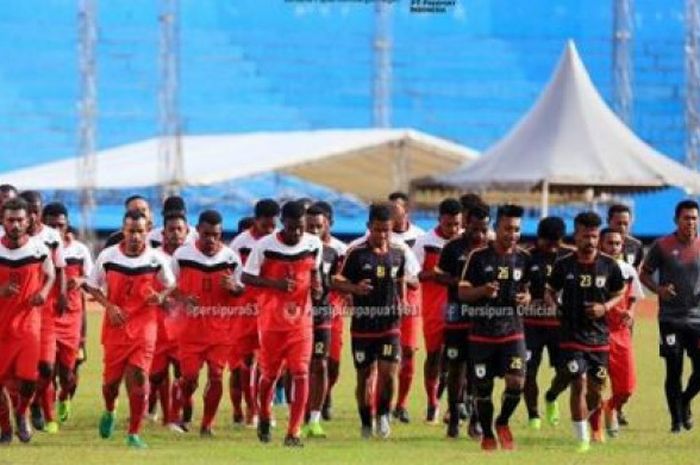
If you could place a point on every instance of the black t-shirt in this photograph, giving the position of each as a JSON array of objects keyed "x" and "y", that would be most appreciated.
[
  {"x": 499, "y": 317},
  {"x": 378, "y": 312},
  {"x": 677, "y": 264},
  {"x": 329, "y": 267},
  {"x": 541, "y": 265},
  {"x": 582, "y": 283},
  {"x": 633, "y": 251},
  {"x": 452, "y": 259}
]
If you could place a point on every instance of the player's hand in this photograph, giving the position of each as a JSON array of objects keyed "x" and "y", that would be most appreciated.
[
  {"x": 522, "y": 298},
  {"x": 62, "y": 304},
  {"x": 74, "y": 283},
  {"x": 155, "y": 298},
  {"x": 667, "y": 292},
  {"x": 38, "y": 300},
  {"x": 115, "y": 315},
  {"x": 316, "y": 291},
  {"x": 364, "y": 287},
  {"x": 490, "y": 290},
  {"x": 627, "y": 319},
  {"x": 595, "y": 310},
  {"x": 286, "y": 285},
  {"x": 9, "y": 289}
]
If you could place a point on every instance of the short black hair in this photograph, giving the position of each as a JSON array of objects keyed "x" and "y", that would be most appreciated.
[
  {"x": 314, "y": 210},
  {"x": 605, "y": 231},
  {"x": 17, "y": 203},
  {"x": 71, "y": 230},
  {"x": 174, "y": 203},
  {"x": 469, "y": 200},
  {"x": 211, "y": 217},
  {"x": 174, "y": 215},
  {"x": 31, "y": 197},
  {"x": 450, "y": 206},
  {"x": 5, "y": 188},
  {"x": 326, "y": 207},
  {"x": 588, "y": 219},
  {"x": 398, "y": 195},
  {"x": 305, "y": 201},
  {"x": 509, "y": 211},
  {"x": 686, "y": 205},
  {"x": 293, "y": 210},
  {"x": 618, "y": 208},
  {"x": 479, "y": 211},
  {"x": 134, "y": 215},
  {"x": 266, "y": 208},
  {"x": 54, "y": 209},
  {"x": 379, "y": 212},
  {"x": 551, "y": 228},
  {"x": 245, "y": 223},
  {"x": 131, "y": 198}
]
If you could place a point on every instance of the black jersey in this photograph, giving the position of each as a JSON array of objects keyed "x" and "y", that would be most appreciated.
[
  {"x": 330, "y": 265},
  {"x": 633, "y": 251},
  {"x": 580, "y": 284},
  {"x": 497, "y": 319},
  {"x": 451, "y": 262},
  {"x": 379, "y": 312},
  {"x": 541, "y": 265}
]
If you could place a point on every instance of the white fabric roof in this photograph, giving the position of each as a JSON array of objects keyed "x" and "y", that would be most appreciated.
[
  {"x": 571, "y": 139},
  {"x": 366, "y": 162}
]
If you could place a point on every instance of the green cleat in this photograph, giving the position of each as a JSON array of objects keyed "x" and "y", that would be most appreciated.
[
  {"x": 64, "y": 410},
  {"x": 134, "y": 441},
  {"x": 583, "y": 446},
  {"x": 107, "y": 422},
  {"x": 51, "y": 427},
  {"x": 314, "y": 430},
  {"x": 534, "y": 424},
  {"x": 552, "y": 413}
]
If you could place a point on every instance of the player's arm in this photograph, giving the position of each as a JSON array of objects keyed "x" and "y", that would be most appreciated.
[
  {"x": 94, "y": 286},
  {"x": 231, "y": 281},
  {"x": 446, "y": 262},
  {"x": 60, "y": 264},
  {"x": 252, "y": 275},
  {"x": 616, "y": 287},
  {"x": 349, "y": 280},
  {"x": 49, "y": 272},
  {"x": 470, "y": 293},
  {"x": 554, "y": 285},
  {"x": 411, "y": 269}
]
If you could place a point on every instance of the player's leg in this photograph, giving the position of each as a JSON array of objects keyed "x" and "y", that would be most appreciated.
[
  {"x": 235, "y": 388},
  {"x": 559, "y": 383},
  {"x": 42, "y": 407},
  {"x": 158, "y": 378},
  {"x": 389, "y": 357},
  {"x": 249, "y": 386},
  {"x": 671, "y": 350},
  {"x": 137, "y": 387},
  {"x": 212, "y": 394},
  {"x": 114, "y": 366},
  {"x": 318, "y": 382},
  {"x": 431, "y": 379},
  {"x": 512, "y": 366},
  {"x": 271, "y": 357},
  {"x": 409, "y": 345},
  {"x": 176, "y": 396},
  {"x": 192, "y": 358},
  {"x": 66, "y": 381},
  {"x": 484, "y": 403},
  {"x": 576, "y": 369},
  {"x": 456, "y": 361},
  {"x": 535, "y": 349},
  {"x": 364, "y": 358},
  {"x": 298, "y": 359},
  {"x": 596, "y": 379},
  {"x": 693, "y": 386}
]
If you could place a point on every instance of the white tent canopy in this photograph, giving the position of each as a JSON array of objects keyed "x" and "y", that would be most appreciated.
[
  {"x": 366, "y": 162},
  {"x": 569, "y": 140}
]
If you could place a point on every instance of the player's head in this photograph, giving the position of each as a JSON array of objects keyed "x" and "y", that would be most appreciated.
[
  {"x": 317, "y": 221},
  {"x": 15, "y": 218},
  {"x": 587, "y": 232},
  {"x": 399, "y": 210},
  {"x": 71, "y": 234},
  {"x": 7, "y": 192},
  {"x": 379, "y": 225},
  {"x": 174, "y": 204},
  {"x": 327, "y": 210},
  {"x": 293, "y": 222},
  {"x": 611, "y": 242},
  {"x": 686, "y": 218},
  {"x": 55, "y": 214},
  {"x": 306, "y": 202},
  {"x": 135, "y": 228},
  {"x": 245, "y": 223},
  {"x": 476, "y": 226},
  {"x": 266, "y": 213},
  {"x": 35, "y": 203},
  {"x": 508, "y": 222},
  {"x": 175, "y": 230},
  {"x": 550, "y": 232},
  {"x": 620, "y": 218},
  {"x": 210, "y": 227},
  {"x": 450, "y": 217},
  {"x": 139, "y": 203},
  {"x": 468, "y": 201}
]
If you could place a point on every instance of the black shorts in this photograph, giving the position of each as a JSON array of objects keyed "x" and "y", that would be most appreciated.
[
  {"x": 490, "y": 360},
  {"x": 366, "y": 350},
  {"x": 677, "y": 337},
  {"x": 456, "y": 345},
  {"x": 537, "y": 338},
  {"x": 579, "y": 362},
  {"x": 322, "y": 343}
]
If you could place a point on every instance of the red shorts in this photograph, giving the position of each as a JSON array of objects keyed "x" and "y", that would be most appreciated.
[
  {"x": 166, "y": 352},
  {"x": 118, "y": 356},
  {"x": 193, "y": 356},
  {"x": 409, "y": 331},
  {"x": 623, "y": 379},
  {"x": 336, "y": 346},
  {"x": 66, "y": 354},
  {"x": 247, "y": 341},
  {"x": 278, "y": 347},
  {"x": 20, "y": 358},
  {"x": 434, "y": 335},
  {"x": 47, "y": 350}
]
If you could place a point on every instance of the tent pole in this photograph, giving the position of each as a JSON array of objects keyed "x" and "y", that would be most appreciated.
[{"x": 544, "y": 210}]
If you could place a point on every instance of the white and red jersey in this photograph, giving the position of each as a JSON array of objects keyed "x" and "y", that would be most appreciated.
[
  {"x": 155, "y": 236},
  {"x": 53, "y": 240},
  {"x": 427, "y": 250},
  {"x": 79, "y": 264},
  {"x": 633, "y": 290},
  {"x": 273, "y": 259},
  {"x": 128, "y": 283},
  {"x": 199, "y": 275},
  {"x": 27, "y": 267},
  {"x": 243, "y": 243},
  {"x": 409, "y": 236}
]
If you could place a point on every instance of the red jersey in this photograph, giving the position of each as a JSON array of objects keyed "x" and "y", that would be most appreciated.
[
  {"x": 434, "y": 295},
  {"x": 26, "y": 266},
  {"x": 200, "y": 276},
  {"x": 633, "y": 290},
  {"x": 79, "y": 264},
  {"x": 128, "y": 282},
  {"x": 272, "y": 259}
]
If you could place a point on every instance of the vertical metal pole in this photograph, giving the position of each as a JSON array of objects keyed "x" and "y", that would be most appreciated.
[
  {"x": 623, "y": 21},
  {"x": 382, "y": 66},
  {"x": 692, "y": 84}
]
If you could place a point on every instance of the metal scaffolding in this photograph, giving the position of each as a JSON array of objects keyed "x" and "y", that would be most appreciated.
[
  {"x": 382, "y": 66},
  {"x": 87, "y": 116},
  {"x": 692, "y": 83},
  {"x": 169, "y": 147},
  {"x": 623, "y": 20}
]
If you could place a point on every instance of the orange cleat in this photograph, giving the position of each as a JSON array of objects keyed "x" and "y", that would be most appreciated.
[
  {"x": 505, "y": 437},
  {"x": 488, "y": 444}
]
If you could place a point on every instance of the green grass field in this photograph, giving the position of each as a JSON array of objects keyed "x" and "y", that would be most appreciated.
[{"x": 646, "y": 441}]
